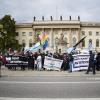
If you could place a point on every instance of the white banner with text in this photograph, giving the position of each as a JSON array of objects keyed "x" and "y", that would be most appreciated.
[
  {"x": 52, "y": 63},
  {"x": 81, "y": 62}
]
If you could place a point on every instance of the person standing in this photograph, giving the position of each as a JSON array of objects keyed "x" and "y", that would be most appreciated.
[
  {"x": 71, "y": 63},
  {"x": 39, "y": 62},
  {"x": 98, "y": 61},
  {"x": 91, "y": 64},
  {"x": 43, "y": 58}
]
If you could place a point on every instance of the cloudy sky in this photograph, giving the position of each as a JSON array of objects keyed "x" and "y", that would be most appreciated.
[{"x": 24, "y": 10}]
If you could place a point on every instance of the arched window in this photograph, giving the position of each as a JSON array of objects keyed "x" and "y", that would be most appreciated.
[
  {"x": 23, "y": 43},
  {"x": 56, "y": 40},
  {"x": 62, "y": 36},
  {"x": 30, "y": 43},
  {"x": 65, "y": 39},
  {"x": 83, "y": 33},
  {"x": 74, "y": 41},
  {"x": 97, "y": 42}
]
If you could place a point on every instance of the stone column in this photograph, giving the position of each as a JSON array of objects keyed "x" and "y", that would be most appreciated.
[
  {"x": 79, "y": 37},
  {"x": 62, "y": 45},
  {"x": 52, "y": 39},
  {"x": 34, "y": 36},
  {"x": 70, "y": 38}
]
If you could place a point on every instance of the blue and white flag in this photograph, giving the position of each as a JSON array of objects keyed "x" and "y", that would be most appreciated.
[
  {"x": 35, "y": 47},
  {"x": 90, "y": 47}
]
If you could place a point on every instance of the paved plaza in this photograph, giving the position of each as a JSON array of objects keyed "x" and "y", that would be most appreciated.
[
  {"x": 48, "y": 85},
  {"x": 6, "y": 72}
]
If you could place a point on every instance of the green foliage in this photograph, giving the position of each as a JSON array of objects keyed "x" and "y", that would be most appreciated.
[{"x": 8, "y": 35}]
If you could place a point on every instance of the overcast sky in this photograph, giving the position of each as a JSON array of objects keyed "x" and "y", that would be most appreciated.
[{"x": 24, "y": 10}]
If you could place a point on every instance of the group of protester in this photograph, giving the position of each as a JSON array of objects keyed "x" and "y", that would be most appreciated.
[
  {"x": 32, "y": 59},
  {"x": 94, "y": 63}
]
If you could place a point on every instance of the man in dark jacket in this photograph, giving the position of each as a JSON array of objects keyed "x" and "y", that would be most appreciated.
[
  {"x": 91, "y": 63},
  {"x": 31, "y": 62},
  {"x": 98, "y": 61},
  {"x": 71, "y": 63}
]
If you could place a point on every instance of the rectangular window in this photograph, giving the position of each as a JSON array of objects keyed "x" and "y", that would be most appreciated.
[
  {"x": 17, "y": 33},
  {"x": 90, "y": 33},
  {"x": 97, "y": 33},
  {"x": 30, "y": 44},
  {"x": 30, "y": 33},
  {"x": 16, "y": 41},
  {"x": 23, "y": 34},
  {"x": 97, "y": 43},
  {"x": 83, "y": 33}
]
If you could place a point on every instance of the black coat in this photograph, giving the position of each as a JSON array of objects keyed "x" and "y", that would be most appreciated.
[
  {"x": 98, "y": 58},
  {"x": 91, "y": 60},
  {"x": 31, "y": 61}
]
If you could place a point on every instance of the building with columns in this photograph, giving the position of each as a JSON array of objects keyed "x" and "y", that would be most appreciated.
[{"x": 61, "y": 34}]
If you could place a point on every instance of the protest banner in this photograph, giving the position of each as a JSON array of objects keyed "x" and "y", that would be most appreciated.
[
  {"x": 52, "y": 63},
  {"x": 81, "y": 62}
]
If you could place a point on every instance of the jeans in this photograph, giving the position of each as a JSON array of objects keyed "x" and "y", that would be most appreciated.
[{"x": 71, "y": 65}]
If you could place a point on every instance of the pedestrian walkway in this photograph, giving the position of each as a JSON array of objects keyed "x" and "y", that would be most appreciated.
[{"x": 6, "y": 72}]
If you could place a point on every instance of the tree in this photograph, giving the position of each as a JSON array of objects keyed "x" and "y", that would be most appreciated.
[{"x": 8, "y": 35}]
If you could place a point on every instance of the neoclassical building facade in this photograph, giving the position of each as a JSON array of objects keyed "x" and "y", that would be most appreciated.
[{"x": 61, "y": 34}]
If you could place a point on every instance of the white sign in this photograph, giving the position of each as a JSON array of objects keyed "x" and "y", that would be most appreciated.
[
  {"x": 52, "y": 63},
  {"x": 81, "y": 62}
]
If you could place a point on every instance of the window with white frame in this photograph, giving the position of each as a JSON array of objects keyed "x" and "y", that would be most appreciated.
[
  {"x": 97, "y": 42},
  {"x": 97, "y": 33},
  {"x": 83, "y": 33},
  {"x": 56, "y": 40},
  {"x": 74, "y": 41},
  {"x": 30, "y": 33},
  {"x": 23, "y": 33},
  {"x": 65, "y": 39},
  {"x": 23, "y": 43},
  {"x": 90, "y": 33},
  {"x": 17, "y": 33},
  {"x": 30, "y": 43}
]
